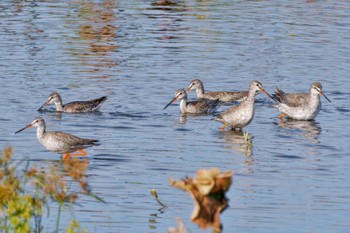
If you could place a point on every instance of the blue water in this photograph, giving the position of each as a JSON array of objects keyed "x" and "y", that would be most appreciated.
[{"x": 293, "y": 179}]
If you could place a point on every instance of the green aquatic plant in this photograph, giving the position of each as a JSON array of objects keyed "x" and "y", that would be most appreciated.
[
  {"x": 24, "y": 194},
  {"x": 74, "y": 227},
  {"x": 154, "y": 194},
  {"x": 15, "y": 206},
  {"x": 247, "y": 139}
]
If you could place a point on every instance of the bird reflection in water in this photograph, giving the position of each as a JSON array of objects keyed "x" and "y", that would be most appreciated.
[
  {"x": 50, "y": 114},
  {"x": 182, "y": 118},
  {"x": 310, "y": 129},
  {"x": 239, "y": 140}
]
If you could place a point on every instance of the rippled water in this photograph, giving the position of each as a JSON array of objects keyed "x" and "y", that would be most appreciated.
[{"x": 295, "y": 177}]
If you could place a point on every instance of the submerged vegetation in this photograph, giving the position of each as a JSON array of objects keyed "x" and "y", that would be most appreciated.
[{"x": 27, "y": 192}]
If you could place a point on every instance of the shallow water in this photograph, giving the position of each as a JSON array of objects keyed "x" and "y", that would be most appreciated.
[{"x": 294, "y": 179}]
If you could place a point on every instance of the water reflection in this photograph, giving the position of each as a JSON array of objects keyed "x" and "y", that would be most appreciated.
[
  {"x": 239, "y": 140},
  {"x": 310, "y": 129},
  {"x": 166, "y": 25},
  {"x": 153, "y": 219},
  {"x": 51, "y": 114},
  {"x": 182, "y": 118},
  {"x": 97, "y": 28},
  {"x": 164, "y": 3},
  {"x": 169, "y": 6}
]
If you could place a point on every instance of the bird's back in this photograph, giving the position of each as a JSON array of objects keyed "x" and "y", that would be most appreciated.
[
  {"x": 290, "y": 99},
  {"x": 201, "y": 106},
  {"x": 237, "y": 116},
  {"x": 84, "y": 106},
  {"x": 227, "y": 96},
  {"x": 60, "y": 141}
]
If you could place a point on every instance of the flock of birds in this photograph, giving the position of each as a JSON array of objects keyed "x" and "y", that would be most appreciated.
[
  {"x": 297, "y": 106},
  {"x": 60, "y": 142}
]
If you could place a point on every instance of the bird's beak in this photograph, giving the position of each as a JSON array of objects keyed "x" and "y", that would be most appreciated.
[
  {"x": 321, "y": 92},
  {"x": 172, "y": 101},
  {"x": 189, "y": 88},
  {"x": 46, "y": 103},
  {"x": 265, "y": 92},
  {"x": 28, "y": 126}
]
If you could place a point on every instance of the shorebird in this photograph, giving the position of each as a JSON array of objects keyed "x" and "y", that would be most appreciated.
[
  {"x": 239, "y": 116},
  {"x": 196, "y": 107},
  {"x": 76, "y": 106},
  {"x": 59, "y": 142},
  {"x": 299, "y": 106},
  {"x": 223, "y": 96}
]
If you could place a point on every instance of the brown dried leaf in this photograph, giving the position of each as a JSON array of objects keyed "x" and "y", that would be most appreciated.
[
  {"x": 181, "y": 228},
  {"x": 207, "y": 189}
]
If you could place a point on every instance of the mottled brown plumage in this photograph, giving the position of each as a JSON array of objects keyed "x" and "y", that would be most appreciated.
[
  {"x": 57, "y": 141},
  {"x": 76, "y": 106},
  {"x": 291, "y": 99},
  {"x": 299, "y": 106},
  {"x": 239, "y": 116},
  {"x": 195, "y": 107},
  {"x": 223, "y": 96}
]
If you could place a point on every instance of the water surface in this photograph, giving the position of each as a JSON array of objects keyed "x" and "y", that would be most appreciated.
[{"x": 293, "y": 179}]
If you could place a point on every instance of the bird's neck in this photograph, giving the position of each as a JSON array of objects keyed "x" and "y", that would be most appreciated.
[
  {"x": 200, "y": 91},
  {"x": 40, "y": 132},
  {"x": 58, "y": 105},
  {"x": 183, "y": 105},
  {"x": 314, "y": 100},
  {"x": 251, "y": 95}
]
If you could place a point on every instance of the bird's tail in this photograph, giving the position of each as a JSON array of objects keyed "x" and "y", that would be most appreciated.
[{"x": 278, "y": 95}]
